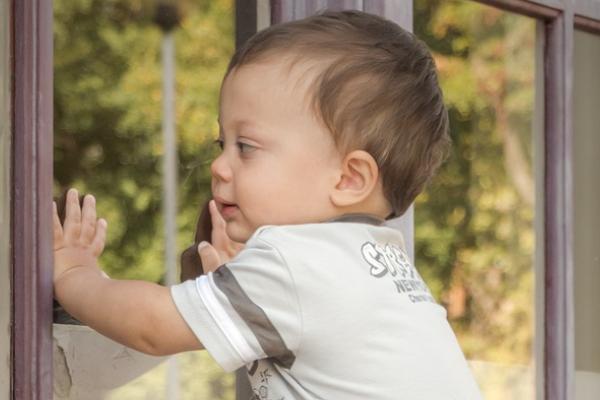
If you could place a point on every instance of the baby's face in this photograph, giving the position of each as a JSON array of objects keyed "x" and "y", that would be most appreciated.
[{"x": 278, "y": 163}]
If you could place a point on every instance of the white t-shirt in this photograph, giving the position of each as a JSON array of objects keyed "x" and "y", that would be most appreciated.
[{"x": 331, "y": 310}]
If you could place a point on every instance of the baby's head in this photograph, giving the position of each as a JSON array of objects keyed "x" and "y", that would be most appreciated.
[{"x": 337, "y": 113}]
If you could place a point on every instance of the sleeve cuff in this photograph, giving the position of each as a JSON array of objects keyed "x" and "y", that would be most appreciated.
[{"x": 193, "y": 310}]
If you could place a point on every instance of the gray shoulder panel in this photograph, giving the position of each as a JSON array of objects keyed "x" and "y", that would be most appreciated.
[{"x": 257, "y": 320}]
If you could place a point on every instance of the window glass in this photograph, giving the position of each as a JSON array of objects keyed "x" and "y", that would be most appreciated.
[
  {"x": 475, "y": 226},
  {"x": 5, "y": 195},
  {"x": 586, "y": 149},
  {"x": 108, "y": 141}
]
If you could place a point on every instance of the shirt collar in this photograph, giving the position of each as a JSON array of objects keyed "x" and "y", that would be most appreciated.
[{"x": 358, "y": 218}]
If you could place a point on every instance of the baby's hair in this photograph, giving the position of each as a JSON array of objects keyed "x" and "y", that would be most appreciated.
[{"x": 375, "y": 89}]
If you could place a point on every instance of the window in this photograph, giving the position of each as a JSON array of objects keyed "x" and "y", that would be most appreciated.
[
  {"x": 586, "y": 150},
  {"x": 475, "y": 226},
  {"x": 108, "y": 141}
]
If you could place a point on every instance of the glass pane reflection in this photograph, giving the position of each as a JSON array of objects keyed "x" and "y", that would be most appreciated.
[
  {"x": 474, "y": 227},
  {"x": 108, "y": 141}
]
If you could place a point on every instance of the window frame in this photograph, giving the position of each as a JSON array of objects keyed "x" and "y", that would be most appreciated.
[
  {"x": 32, "y": 176},
  {"x": 5, "y": 192},
  {"x": 31, "y": 200}
]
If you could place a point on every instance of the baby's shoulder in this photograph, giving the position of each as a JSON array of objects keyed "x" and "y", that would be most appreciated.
[
  {"x": 323, "y": 236},
  {"x": 321, "y": 232}
]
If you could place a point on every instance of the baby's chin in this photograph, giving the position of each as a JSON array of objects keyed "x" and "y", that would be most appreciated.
[{"x": 239, "y": 235}]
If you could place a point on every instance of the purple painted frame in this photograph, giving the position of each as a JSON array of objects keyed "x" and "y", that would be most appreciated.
[
  {"x": 587, "y": 24},
  {"x": 559, "y": 363},
  {"x": 31, "y": 208}
]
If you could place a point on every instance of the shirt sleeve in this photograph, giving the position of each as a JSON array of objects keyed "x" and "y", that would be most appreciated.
[{"x": 246, "y": 310}]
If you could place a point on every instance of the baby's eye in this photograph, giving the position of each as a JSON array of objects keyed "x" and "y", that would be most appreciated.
[{"x": 245, "y": 147}]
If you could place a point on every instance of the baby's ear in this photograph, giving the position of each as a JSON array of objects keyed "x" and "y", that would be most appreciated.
[{"x": 357, "y": 180}]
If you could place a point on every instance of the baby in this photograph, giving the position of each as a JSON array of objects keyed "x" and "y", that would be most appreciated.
[{"x": 328, "y": 126}]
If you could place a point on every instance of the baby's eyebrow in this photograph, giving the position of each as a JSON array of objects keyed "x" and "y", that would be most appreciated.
[{"x": 238, "y": 123}]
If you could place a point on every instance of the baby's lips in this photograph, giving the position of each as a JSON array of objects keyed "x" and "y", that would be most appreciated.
[{"x": 221, "y": 204}]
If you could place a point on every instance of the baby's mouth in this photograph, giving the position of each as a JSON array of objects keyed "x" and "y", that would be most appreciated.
[{"x": 228, "y": 209}]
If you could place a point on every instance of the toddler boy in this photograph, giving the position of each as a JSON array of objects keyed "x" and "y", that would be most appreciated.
[{"x": 328, "y": 126}]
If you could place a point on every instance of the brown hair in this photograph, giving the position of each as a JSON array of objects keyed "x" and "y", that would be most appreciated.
[{"x": 375, "y": 89}]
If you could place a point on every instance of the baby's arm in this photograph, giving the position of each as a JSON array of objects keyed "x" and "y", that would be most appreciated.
[{"x": 138, "y": 314}]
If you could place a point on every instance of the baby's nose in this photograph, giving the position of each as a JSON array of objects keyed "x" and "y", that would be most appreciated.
[{"x": 220, "y": 169}]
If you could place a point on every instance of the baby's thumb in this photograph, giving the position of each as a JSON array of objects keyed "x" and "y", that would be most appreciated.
[{"x": 209, "y": 256}]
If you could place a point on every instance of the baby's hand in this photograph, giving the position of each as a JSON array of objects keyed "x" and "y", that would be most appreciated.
[
  {"x": 81, "y": 240},
  {"x": 223, "y": 248}
]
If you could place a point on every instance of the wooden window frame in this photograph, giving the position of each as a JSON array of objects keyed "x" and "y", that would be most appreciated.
[
  {"x": 31, "y": 205},
  {"x": 32, "y": 169},
  {"x": 31, "y": 200}
]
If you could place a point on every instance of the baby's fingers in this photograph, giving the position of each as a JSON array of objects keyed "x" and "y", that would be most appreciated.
[
  {"x": 72, "y": 226},
  {"x": 209, "y": 256},
  {"x": 88, "y": 219},
  {"x": 220, "y": 239},
  {"x": 57, "y": 227},
  {"x": 219, "y": 236},
  {"x": 99, "y": 240}
]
